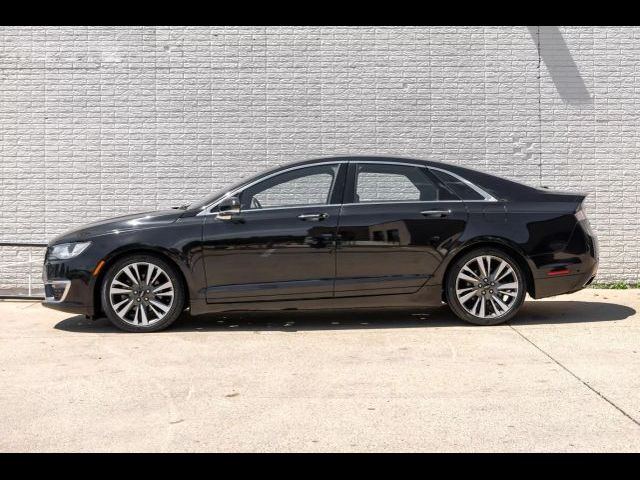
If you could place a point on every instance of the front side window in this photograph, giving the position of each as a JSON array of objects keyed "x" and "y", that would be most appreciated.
[
  {"x": 400, "y": 183},
  {"x": 300, "y": 187}
]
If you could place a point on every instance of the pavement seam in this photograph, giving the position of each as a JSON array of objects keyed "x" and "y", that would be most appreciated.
[{"x": 586, "y": 384}]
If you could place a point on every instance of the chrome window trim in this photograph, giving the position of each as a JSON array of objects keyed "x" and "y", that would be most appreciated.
[
  {"x": 392, "y": 202},
  {"x": 291, "y": 207},
  {"x": 327, "y": 205},
  {"x": 486, "y": 196},
  {"x": 67, "y": 285},
  {"x": 205, "y": 211}
]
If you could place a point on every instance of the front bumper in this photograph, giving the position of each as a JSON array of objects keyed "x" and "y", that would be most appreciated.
[
  {"x": 56, "y": 291},
  {"x": 69, "y": 285}
]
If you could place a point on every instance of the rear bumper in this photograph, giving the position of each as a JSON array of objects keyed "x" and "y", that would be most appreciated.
[
  {"x": 548, "y": 287},
  {"x": 569, "y": 270}
]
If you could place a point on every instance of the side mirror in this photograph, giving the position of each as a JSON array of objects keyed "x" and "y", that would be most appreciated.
[{"x": 229, "y": 207}]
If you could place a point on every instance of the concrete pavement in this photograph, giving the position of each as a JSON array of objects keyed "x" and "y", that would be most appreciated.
[{"x": 563, "y": 376}]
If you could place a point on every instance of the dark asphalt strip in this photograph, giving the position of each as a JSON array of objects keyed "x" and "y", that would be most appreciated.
[{"x": 577, "y": 377}]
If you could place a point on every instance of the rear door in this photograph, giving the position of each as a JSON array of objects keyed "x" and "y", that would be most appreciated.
[{"x": 396, "y": 225}]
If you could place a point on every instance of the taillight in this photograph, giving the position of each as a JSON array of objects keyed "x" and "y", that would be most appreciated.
[{"x": 581, "y": 216}]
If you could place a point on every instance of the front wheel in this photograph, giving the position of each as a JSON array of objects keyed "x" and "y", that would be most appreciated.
[
  {"x": 485, "y": 287},
  {"x": 142, "y": 293}
]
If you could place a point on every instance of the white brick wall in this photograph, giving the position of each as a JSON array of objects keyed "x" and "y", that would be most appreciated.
[{"x": 99, "y": 121}]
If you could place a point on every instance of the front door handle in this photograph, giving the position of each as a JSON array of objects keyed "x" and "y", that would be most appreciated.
[
  {"x": 436, "y": 213},
  {"x": 313, "y": 217}
]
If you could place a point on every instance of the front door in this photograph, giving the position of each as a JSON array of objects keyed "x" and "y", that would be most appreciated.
[
  {"x": 396, "y": 226},
  {"x": 282, "y": 244}
]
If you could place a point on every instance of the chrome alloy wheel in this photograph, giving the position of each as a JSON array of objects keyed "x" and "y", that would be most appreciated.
[
  {"x": 487, "y": 286},
  {"x": 141, "y": 293}
]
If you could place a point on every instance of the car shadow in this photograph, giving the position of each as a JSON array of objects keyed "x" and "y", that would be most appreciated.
[{"x": 532, "y": 313}]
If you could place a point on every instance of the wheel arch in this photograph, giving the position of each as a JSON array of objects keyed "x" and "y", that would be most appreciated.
[
  {"x": 119, "y": 254},
  {"x": 497, "y": 243}
]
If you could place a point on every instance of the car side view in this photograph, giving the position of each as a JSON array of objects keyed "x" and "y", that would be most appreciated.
[{"x": 332, "y": 233}]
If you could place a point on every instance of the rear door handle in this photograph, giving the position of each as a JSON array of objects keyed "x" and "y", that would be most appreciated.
[
  {"x": 313, "y": 217},
  {"x": 436, "y": 213}
]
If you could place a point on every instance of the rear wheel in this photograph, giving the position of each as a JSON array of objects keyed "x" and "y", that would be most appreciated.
[
  {"x": 142, "y": 293},
  {"x": 485, "y": 287}
]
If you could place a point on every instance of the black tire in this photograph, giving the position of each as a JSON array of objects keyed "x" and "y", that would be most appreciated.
[
  {"x": 176, "y": 306},
  {"x": 459, "y": 309}
]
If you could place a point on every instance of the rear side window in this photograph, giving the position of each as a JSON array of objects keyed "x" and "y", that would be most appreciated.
[
  {"x": 464, "y": 191},
  {"x": 395, "y": 183}
]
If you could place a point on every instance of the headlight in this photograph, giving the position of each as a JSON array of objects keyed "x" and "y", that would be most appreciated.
[{"x": 65, "y": 251}]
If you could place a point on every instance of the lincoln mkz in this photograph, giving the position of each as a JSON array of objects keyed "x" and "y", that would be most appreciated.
[{"x": 333, "y": 233}]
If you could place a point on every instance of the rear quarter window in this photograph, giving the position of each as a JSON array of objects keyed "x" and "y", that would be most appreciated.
[{"x": 461, "y": 189}]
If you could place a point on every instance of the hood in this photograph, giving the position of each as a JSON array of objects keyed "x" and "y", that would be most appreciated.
[{"x": 119, "y": 224}]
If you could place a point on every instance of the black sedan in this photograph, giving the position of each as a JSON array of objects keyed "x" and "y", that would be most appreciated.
[{"x": 332, "y": 233}]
